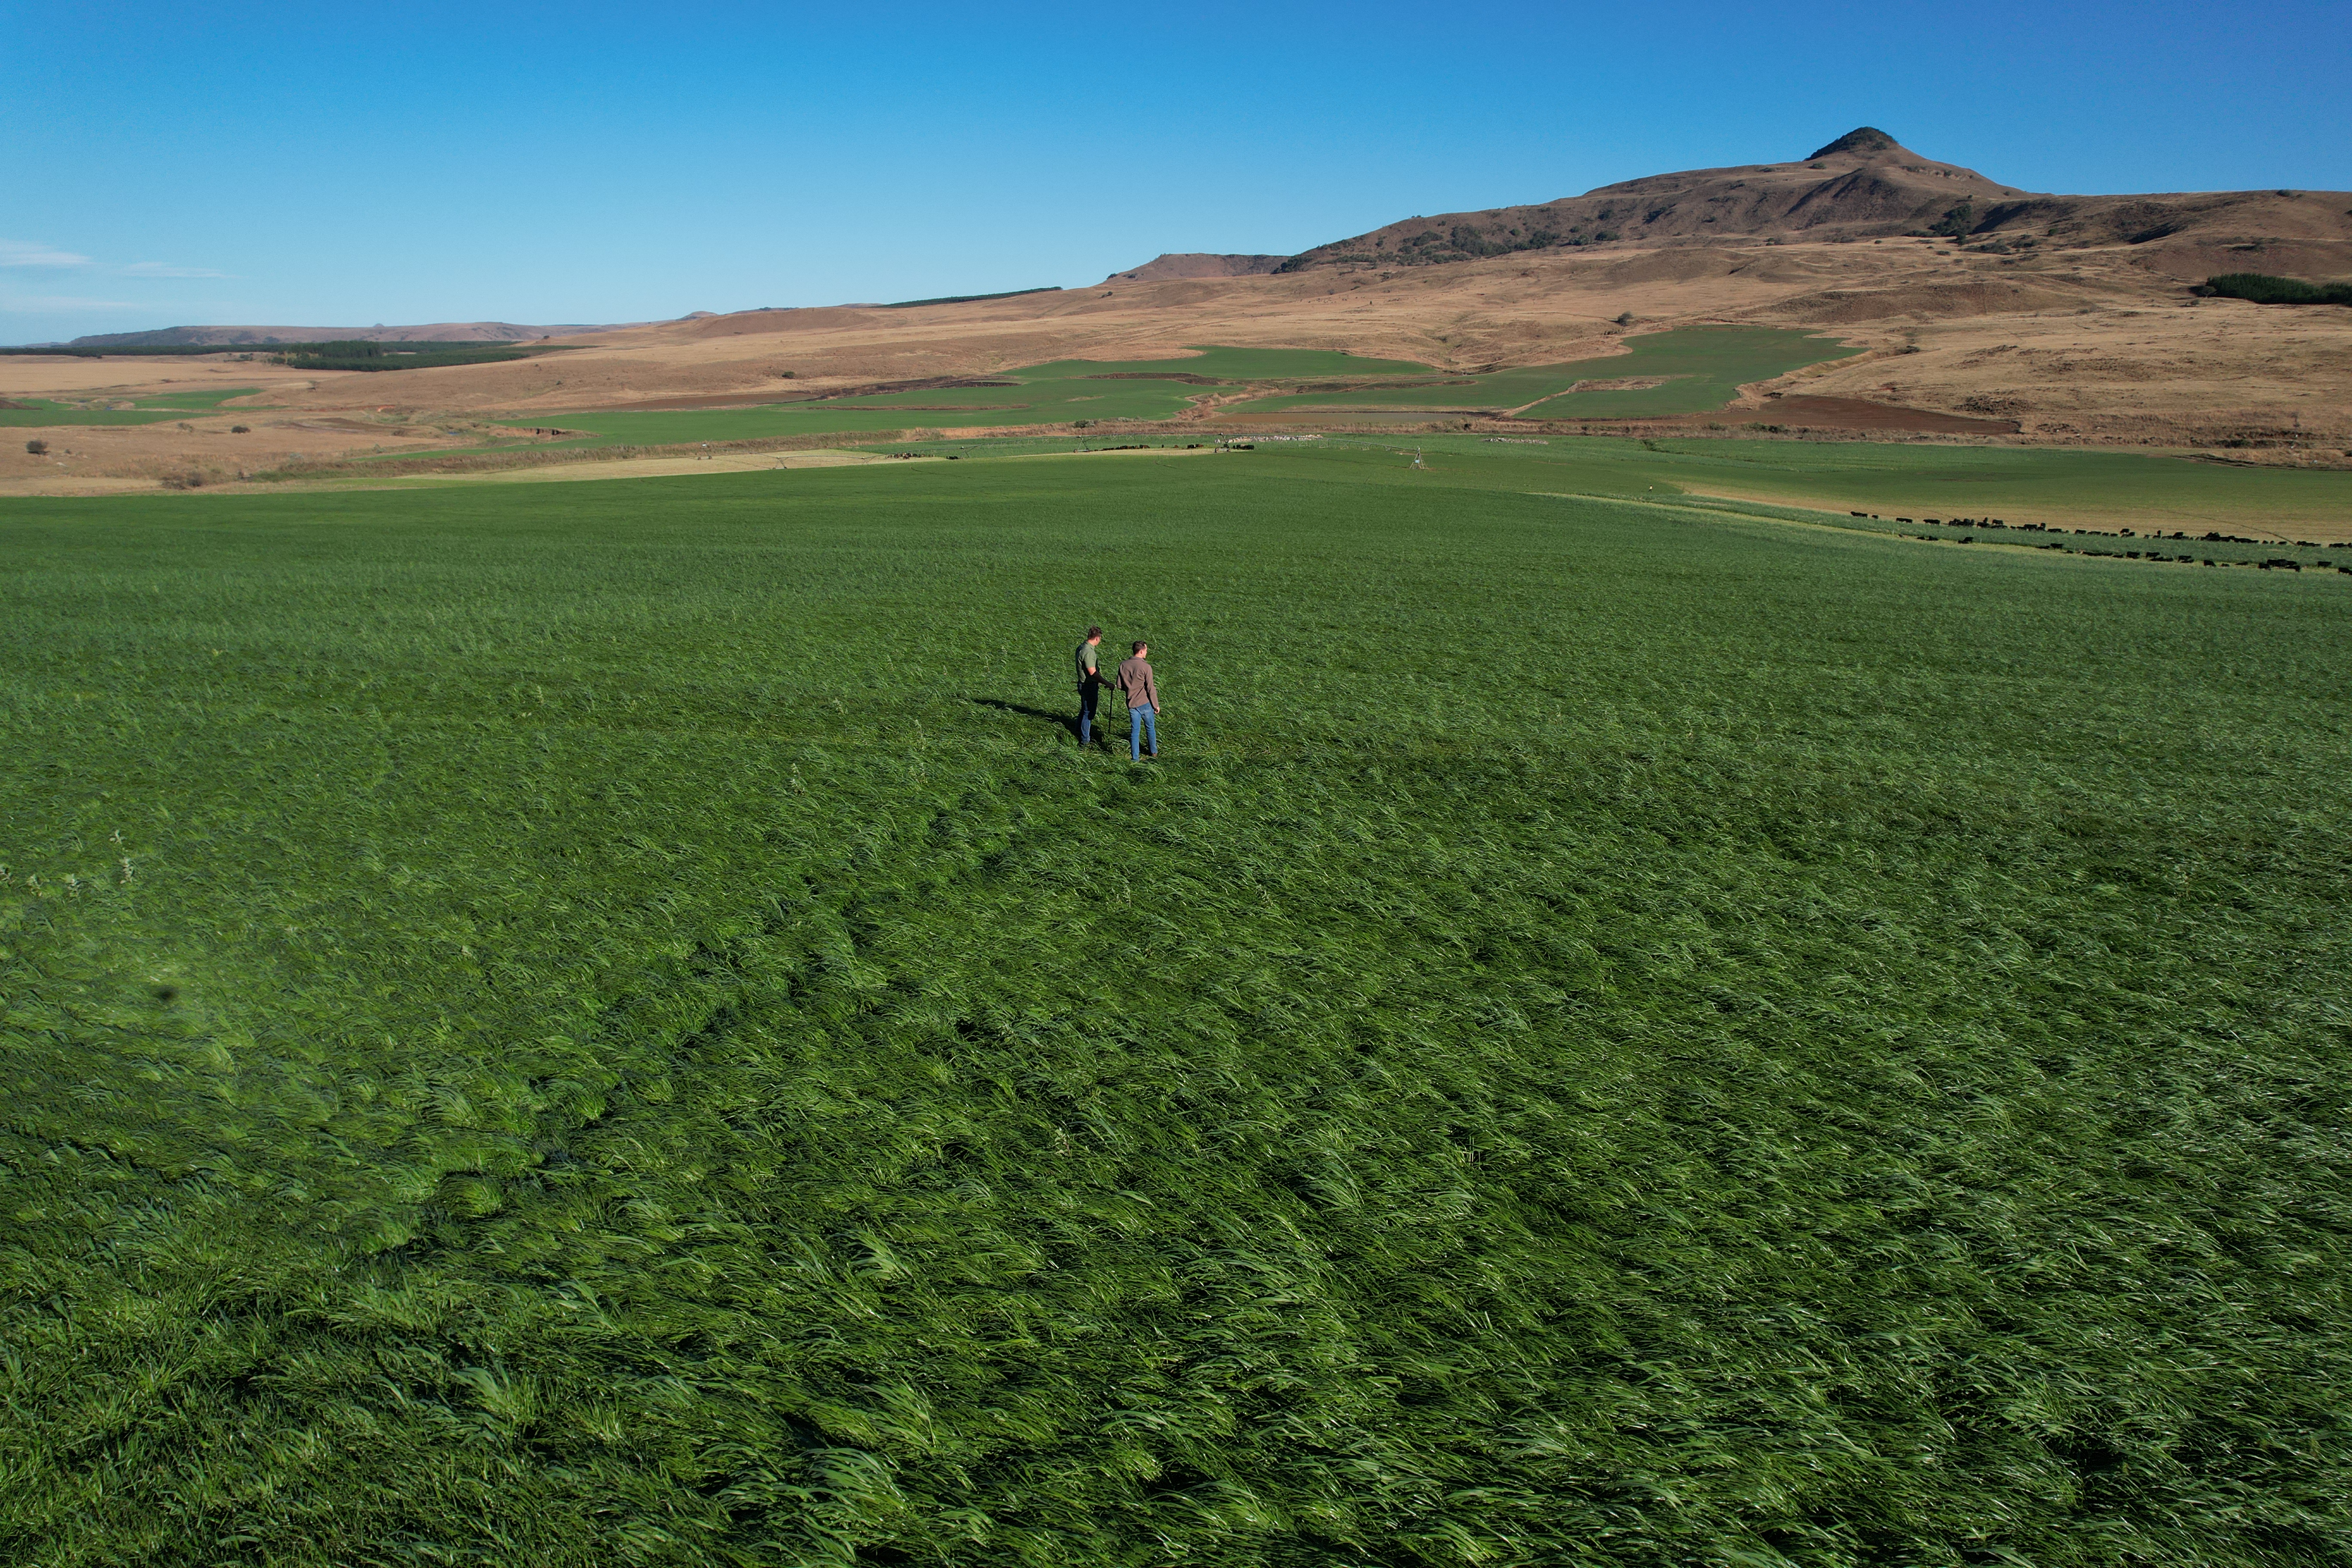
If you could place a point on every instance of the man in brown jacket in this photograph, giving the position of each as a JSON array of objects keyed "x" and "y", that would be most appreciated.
[{"x": 1142, "y": 694}]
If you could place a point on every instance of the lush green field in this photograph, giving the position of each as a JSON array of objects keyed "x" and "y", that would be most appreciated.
[
  {"x": 1238, "y": 364},
  {"x": 1054, "y": 394},
  {"x": 1703, "y": 368},
  {"x": 1700, "y": 367},
  {"x": 1045, "y": 401},
  {"x": 610, "y": 1024},
  {"x": 767, "y": 421},
  {"x": 44, "y": 412},
  {"x": 2054, "y": 485}
]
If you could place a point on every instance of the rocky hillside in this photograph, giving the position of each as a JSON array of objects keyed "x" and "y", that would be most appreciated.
[
  {"x": 1867, "y": 186},
  {"x": 1197, "y": 264}
]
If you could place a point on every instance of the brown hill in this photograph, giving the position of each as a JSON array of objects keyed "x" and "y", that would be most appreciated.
[
  {"x": 2070, "y": 318},
  {"x": 1197, "y": 264},
  {"x": 2072, "y": 341},
  {"x": 1867, "y": 186}
]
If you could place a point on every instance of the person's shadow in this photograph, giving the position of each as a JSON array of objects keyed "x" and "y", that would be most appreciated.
[{"x": 1067, "y": 723}]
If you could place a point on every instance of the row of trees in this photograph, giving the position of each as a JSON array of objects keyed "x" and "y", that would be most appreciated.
[{"x": 364, "y": 355}]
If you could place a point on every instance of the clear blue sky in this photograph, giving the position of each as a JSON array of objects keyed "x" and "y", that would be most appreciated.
[{"x": 347, "y": 165}]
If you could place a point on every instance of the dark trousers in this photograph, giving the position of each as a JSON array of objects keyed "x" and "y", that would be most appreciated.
[{"x": 1087, "y": 695}]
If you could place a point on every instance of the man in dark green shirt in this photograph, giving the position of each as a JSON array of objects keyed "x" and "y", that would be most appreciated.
[{"x": 1090, "y": 684}]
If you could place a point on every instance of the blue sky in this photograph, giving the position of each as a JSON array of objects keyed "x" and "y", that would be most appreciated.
[{"x": 346, "y": 165}]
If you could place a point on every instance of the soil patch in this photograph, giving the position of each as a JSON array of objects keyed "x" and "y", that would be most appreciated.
[{"x": 1860, "y": 414}]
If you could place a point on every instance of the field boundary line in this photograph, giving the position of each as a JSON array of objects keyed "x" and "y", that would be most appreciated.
[{"x": 1724, "y": 512}]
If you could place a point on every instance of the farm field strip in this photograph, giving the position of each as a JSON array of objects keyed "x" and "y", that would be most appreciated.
[
  {"x": 614, "y": 1023},
  {"x": 718, "y": 463},
  {"x": 1051, "y": 394},
  {"x": 1236, "y": 365},
  {"x": 1909, "y": 486},
  {"x": 1698, "y": 368},
  {"x": 153, "y": 409},
  {"x": 2068, "y": 486},
  {"x": 2086, "y": 544}
]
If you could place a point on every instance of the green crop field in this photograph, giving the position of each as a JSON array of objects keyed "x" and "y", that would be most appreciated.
[
  {"x": 1237, "y": 364},
  {"x": 603, "y": 1023},
  {"x": 1700, "y": 367},
  {"x": 1043, "y": 402},
  {"x": 2054, "y": 485},
  {"x": 43, "y": 412},
  {"x": 1054, "y": 394}
]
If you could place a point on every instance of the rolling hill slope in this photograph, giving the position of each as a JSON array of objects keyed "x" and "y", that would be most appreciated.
[
  {"x": 2065, "y": 319},
  {"x": 1197, "y": 264},
  {"x": 1867, "y": 186}
]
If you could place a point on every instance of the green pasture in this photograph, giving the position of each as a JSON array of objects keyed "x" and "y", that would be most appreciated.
[
  {"x": 1053, "y": 394},
  {"x": 1704, "y": 366},
  {"x": 599, "y": 1024},
  {"x": 195, "y": 402},
  {"x": 44, "y": 412},
  {"x": 2071, "y": 486},
  {"x": 767, "y": 421},
  {"x": 1043, "y": 402},
  {"x": 1234, "y": 365},
  {"x": 1823, "y": 481}
]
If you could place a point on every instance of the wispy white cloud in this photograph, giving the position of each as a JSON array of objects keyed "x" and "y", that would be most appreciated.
[
  {"x": 162, "y": 269},
  {"x": 41, "y": 304},
  {"x": 32, "y": 253}
]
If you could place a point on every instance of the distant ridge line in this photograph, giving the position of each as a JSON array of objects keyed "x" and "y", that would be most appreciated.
[
  {"x": 1864, "y": 186},
  {"x": 283, "y": 337}
]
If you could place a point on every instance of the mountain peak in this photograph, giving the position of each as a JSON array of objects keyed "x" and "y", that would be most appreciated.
[
  {"x": 1863, "y": 141},
  {"x": 1177, "y": 264}
]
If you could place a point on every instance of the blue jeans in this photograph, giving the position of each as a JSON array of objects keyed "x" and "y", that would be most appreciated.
[
  {"x": 1087, "y": 695},
  {"x": 1138, "y": 721}
]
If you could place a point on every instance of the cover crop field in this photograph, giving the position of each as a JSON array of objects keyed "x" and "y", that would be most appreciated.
[
  {"x": 46, "y": 412},
  {"x": 611, "y": 1023},
  {"x": 2053, "y": 485},
  {"x": 1695, "y": 369},
  {"x": 1054, "y": 393}
]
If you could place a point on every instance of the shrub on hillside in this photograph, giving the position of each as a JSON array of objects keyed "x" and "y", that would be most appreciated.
[
  {"x": 36, "y": 447},
  {"x": 1957, "y": 222},
  {"x": 2264, "y": 289}
]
